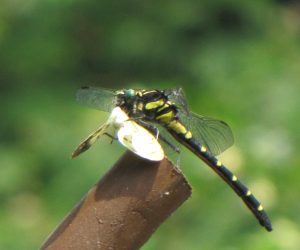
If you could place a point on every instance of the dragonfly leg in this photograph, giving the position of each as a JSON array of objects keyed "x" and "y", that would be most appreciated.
[
  {"x": 111, "y": 137},
  {"x": 178, "y": 160},
  {"x": 172, "y": 146}
]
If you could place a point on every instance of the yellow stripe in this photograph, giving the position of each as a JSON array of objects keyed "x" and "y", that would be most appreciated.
[
  {"x": 145, "y": 92},
  {"x": 219, "y": 164},
  {"x": 140, "y": 106},
  {"x": 177, "y": 127},
  {"x": 203, "y": 149},
  {"x": 188, "y": 135},
  {"x": 154, "y": 105},
  {"x": 234, "y": 178},
  {"x": 163, "y": 107},
  {"x": 260, "y": 208},
  {"x": 166, "y": 118},
  {"x": 248, "y": 193}
]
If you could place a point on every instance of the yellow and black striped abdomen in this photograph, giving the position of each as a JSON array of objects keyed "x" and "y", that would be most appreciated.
[
  {"x": 252, "y": 203},
  {"x": 246, "y": 195}
]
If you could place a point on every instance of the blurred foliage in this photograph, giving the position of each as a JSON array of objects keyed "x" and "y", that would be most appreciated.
[{"x": 236, "y": 60}]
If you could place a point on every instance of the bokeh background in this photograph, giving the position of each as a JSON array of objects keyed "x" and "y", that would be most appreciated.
[{"x": 236, "y": 60}]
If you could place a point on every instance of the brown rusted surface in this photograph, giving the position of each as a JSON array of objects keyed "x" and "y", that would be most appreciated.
[{"x": 124, "y": 208}]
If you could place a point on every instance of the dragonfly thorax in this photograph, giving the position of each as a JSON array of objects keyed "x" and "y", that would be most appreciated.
[{"x": 149, "y": 104}]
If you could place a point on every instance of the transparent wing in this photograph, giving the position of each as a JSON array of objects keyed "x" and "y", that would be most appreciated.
[
  {"x": 90, "y": 140},
  {"x": 216, "y": 135},
  {"x": 98, "y": 98},
  {"x": 177, "y": 96}
]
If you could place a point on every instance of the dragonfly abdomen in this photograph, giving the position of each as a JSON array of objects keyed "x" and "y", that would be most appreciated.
[{"x": 249, "y": 199}]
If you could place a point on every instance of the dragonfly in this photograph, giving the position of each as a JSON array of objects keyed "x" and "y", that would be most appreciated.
[
  {"x": 130, "y": 134},
  {"x": 204, "y": 136}
]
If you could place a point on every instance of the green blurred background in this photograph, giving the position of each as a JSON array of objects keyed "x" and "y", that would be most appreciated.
[{"x": 236, "y": 60}]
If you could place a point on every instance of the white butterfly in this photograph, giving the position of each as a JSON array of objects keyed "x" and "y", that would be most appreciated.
[{"x": 130, "y": 134}]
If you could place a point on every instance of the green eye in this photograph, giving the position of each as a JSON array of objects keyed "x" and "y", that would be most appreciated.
[{"x": 129, "y": 93}]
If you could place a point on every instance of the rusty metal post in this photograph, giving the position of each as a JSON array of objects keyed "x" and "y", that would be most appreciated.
[{"x": 124, "y": 208}]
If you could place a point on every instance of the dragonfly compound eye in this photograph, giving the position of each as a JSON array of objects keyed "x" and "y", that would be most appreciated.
[
  {"x": 129, "y": 93},
  {"x": 129, "y": 96}
]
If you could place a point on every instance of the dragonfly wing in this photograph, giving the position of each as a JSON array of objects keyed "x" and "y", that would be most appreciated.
[
  {"x": 140, "y": 141},
  {"x": 90, "y": 140},
  {"x": 177, "y": 96},
  {"x": 101, "y": 99},
  {"x": 116, "y": 118},
  {"x": 215, "y": 134}
]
